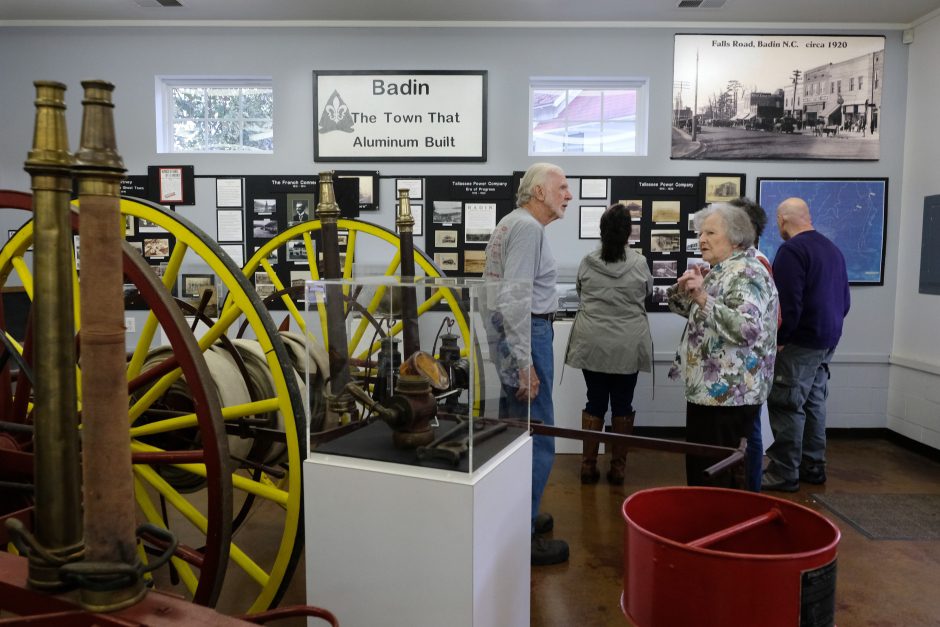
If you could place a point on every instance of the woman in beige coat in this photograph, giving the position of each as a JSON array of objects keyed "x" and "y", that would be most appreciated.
[{"x": 610, "y": 341}]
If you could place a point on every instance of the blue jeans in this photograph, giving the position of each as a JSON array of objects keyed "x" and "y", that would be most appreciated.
[
  {"x": 755, "y": 456},
  {"x": 797, "y": 405},
  {"x": 541, "y": 408}
]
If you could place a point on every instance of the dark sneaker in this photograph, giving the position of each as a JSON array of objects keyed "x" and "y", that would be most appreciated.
[
  {"x": 546, "y": 552},
  {"x": 773, "y": 483},
  {"x": 543, "y": 523}
]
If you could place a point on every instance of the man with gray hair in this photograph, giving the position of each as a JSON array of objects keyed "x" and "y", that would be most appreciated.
[
  {"x": 814, "y": 300},
  {"x": 519, "y": 250}
]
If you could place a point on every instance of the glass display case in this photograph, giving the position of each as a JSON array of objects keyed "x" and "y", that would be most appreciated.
[{"x": 421, "y": 371}]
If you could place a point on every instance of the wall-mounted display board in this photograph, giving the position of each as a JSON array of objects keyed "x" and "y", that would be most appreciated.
[
  {"x": 412, "y": 115},
  {"x": 852, "y": 212},
  {"x": 460, "y": 214},
  {"x": 777, "y": 96},
  {"x": 276, "y": 203},
  {"x": 660, "y": 207},
  {"x": 930, "y": 247}
]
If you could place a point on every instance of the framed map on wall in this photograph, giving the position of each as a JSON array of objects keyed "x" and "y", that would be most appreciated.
[{"x": 852, "y": 212}]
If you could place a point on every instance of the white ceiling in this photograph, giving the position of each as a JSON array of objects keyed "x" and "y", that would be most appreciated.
[{"x": 811, "y": 13}]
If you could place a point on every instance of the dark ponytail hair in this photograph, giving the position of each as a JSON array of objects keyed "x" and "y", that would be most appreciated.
[{"x": 616, "y": 225}]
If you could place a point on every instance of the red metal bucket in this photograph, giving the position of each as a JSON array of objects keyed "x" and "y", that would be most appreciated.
[{"x": 716, "y": 557}]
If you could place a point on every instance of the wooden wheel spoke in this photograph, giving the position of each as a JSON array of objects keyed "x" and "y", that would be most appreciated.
[
  {"x": 24, "y": 274},
  {"x": 432, "y": 300},
  {"x": 187, "y": 421},
  {"x": 151, "y": 514}
]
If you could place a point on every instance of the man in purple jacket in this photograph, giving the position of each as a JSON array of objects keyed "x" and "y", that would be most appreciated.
[{"x": 814, "y": 299}]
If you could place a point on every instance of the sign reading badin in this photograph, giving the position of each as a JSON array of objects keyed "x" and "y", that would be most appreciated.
[{"x": 400, "y": 116}]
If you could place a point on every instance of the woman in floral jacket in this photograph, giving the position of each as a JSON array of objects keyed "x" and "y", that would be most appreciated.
[{"x": 726, "y": 354}]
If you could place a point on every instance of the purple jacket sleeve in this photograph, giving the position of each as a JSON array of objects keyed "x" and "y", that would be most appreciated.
[{"x": 790, "y": 277}]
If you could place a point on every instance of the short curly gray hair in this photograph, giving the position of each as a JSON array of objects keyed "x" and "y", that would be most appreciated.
[
  {"x": 533, "y": 177},
  {"x": 738, "y": 226}
]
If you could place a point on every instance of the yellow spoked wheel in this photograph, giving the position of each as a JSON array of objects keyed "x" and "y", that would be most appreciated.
[
  {"x": 171, "y": 479},
  {"x": 370, "y": 249}
]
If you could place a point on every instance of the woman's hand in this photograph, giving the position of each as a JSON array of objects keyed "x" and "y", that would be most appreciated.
[{"x": 690, "y": 283}]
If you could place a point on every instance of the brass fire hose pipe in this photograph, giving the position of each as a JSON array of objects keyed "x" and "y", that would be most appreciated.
[
  {"x": 328, "y": 213},
  {"x": 58, "y": 527},
  {"x": 409, "y": 299},
  {"x": 108, "y": 478}
]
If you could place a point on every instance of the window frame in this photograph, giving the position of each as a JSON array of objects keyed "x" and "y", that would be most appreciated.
[
  {"x": 640, "y": 84},
  {"x": 165, "y": 108}
]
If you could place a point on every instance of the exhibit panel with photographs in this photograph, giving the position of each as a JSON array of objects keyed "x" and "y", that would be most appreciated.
[
  {"x": 852, "y": 212},
  {"x": 660, "y": 208},
  {"x": 461, "y": 213},
  {"x": 739, "y": 96}
]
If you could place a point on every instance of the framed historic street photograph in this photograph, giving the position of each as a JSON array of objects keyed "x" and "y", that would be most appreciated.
[
  {"x": 852, "y": 212},
  {"x": 415, "y": 188},
  {"x": 722, "y": 187},
  {"x": 741, "y": 97}
]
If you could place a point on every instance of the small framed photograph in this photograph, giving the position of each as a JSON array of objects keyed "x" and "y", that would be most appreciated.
[
  {"x": 589, "y": 226},
  {"x": 474, "y": 261},
  {"x": 145, "y": 226},
  {"x": 447, "y": 212},
  {"x": 664, "y": 241},
  {"x": 264, "y": 206},
  {"x": 635, "y": 207},
  {"x": 446, "y": 261},
  {"x": 156, "y": 248},
  {"x": 445, "y": 239},
  {"x": 722, "y": 187},
  {"x": 692, "y": 246},
  {"x": 660, "y": 295},
  {"x": 129, "y": 225},
  {"x": 666, "y": 211},
  {"x": 195, "y": 284},
  {"x": 265, "y": 228},
  {"x": 594, "y": 189},
  {"x": 665, "y": 269},
  {"x": 300, "y": 208},
  {"x": 297, "y": 251},
  {"x": 415, "y": 188}
]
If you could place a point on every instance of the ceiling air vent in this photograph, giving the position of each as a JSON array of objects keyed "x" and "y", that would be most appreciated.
[
  {"x": 700, "y": 4},
  {"x": 158, "y": 3}
]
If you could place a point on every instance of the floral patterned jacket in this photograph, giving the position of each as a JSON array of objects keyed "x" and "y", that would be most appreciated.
[{"x": 726, "y": 354}]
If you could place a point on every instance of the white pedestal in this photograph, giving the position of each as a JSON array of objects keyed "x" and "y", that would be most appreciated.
[
  {"x": 390, "y": 544},
  {"x": 569, "y": 394}
]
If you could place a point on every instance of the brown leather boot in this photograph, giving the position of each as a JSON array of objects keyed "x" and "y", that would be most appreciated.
[
  {"x": 618, "y": 456},
  {"x": 589, "y": 471}
]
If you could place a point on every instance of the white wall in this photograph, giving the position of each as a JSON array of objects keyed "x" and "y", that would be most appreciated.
[
  {"x": 914, "y": 393},
  {"x": 131, "y": 57}
]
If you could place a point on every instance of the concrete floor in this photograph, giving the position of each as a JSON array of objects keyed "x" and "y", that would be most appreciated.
[{"x": 880, "y": 583}]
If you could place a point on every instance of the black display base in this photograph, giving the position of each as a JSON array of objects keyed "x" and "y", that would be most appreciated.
[{"x": 375, "y": 442}]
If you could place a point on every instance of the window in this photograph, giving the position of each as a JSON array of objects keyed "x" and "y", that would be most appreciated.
[
  {"x": 204, "y": 114},
  {"x": 852, "y": 84},
  {"x": 588, "y": 116},
  {"x": 860, "y": 83}
]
